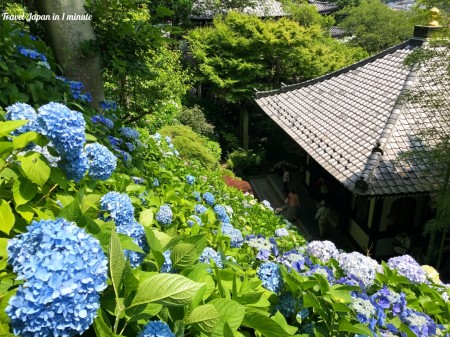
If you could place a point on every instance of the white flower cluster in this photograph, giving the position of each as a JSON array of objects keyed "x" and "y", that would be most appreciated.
[
  {"x": 361, "y": 266},
  {"x": 322, "y": 250}
]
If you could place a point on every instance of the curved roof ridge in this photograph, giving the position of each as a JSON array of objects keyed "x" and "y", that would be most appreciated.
[
  {"x": 361, "y": 63},
  {"x": 373, "y": 161}
]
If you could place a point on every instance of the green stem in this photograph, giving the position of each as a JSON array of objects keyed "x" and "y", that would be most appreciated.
[{"x": 47, "y": 194}]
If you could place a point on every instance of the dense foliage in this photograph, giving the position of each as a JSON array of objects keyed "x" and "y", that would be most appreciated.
[{"x": 240, "y": 53}]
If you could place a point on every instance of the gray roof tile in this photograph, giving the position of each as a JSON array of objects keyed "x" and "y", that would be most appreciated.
[{"x": 343, "y": 115}]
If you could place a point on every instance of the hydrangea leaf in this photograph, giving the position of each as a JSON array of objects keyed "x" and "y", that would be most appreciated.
[
  {"x": 167, "y": 289},
  {"x": 57, "y": 176},
  {"x": 6, "y": 148},
  {"x": 23, "y": 191},
  {"x": 25, "y": 211},
  {"x": 184, "y": 255},
  {"x": 8, "y": 126},
  {"x": 6, "y": 217},
  {"x": 204, "y": 318},
  {"x": 102, "y": 326},
  {"x": 231, "y": 312},
  {"x": 281, "y": 320},
  {"x": 24, "y": 139},
  {"x": 146, "y": 217},
  {"x": 347, "y": 326},
  {"x": 116, "y": 262},
  {"x": 265, "y": 325},
  {"x": 36, "y": 168}
]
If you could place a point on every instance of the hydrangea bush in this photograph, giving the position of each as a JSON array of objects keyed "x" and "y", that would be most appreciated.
[{"x": 134, "y": 240}]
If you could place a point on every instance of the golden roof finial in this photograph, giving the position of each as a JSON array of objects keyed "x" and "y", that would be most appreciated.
[{"x": 435, "y": 13}]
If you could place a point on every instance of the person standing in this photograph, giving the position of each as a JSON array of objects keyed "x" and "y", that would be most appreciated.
[
  {"x": 293, "y": 203},
  {"x": 286, "y": 179},
  {"x": 322, "y": 218}
]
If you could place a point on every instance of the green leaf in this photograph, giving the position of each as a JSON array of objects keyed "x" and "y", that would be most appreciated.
[
  {"x": 232, "y": 312},
  {"x": 90, "y": 138},
  {"x": 36, "y": 168},
  {"x": 183, "y": 255},
  {"x": 72, "y": 212},
  {"x": 146, "y": 218},
  {"x": 102, "y": 326},
  {"x": 264, "y": 325},
  {"x": 116, "y": 262},
  {"x": 7, "y": 218},
  {"x": 8, "y": 126},
  {"x": 167, "y": 289},
  {"x": 58, "y": 177},
  {"x": 128, "y": 243},
  {"x": 24, "y": 139},
  {"x": 25, "y": 211},
  {"x": 23, "y": 191},
  {"x": 358, "y": 328},
  {"x": 281, "y": 320},
  {"x": 204, "y": 318}
]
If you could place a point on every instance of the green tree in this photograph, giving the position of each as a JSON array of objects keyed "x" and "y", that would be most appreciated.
[
  {"x": 307, "y": 15},
  {"x": 430, "y": 96},
  {"x": 375, "y": 26},
  {"x": 241, "y": 52}
]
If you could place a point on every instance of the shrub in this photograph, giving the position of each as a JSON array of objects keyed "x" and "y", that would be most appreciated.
[
  {"x": 240, "y": 184},
  {"x": 245, "y": 160},
  {"x": 195, "y": 118},
  {"x": 193, "y": 146}
]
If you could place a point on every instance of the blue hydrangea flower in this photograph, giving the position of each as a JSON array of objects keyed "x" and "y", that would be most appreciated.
[
  {"x": 64, "y": 127},
  {"x": 366, "y": 312},
  {"x": 281, "y": 232},
  {"x": 138, "y": 180},
  {"x": 63, "y": 269},
  {"x": 108, "y": 105},
  {"x": 164, "y": 215},
  {"x": 115, "y": 142},
  {"x": 193, "y": 219},
  {"x": 85, "y": 97},
  {"x": 129, "y": 133},
  {"x": 190, "y": 179},
  {"x": 408, "y": 267},
  {"x": 126, "y": 157},
  {"x": 74, "y": 165},
  {"x": 322, "y": 250},
  {"x": 263, "y": 254},
  {"x": 102, "y": 162},
  {"x": 208, "y": 254},
  {"x": 168, "y": 140},
  {"x": 167, "y": 265},
  {"x": 200, "y": 209},
  {"x": 287, "y": 304},
  {"x": 33, "y": 54},
  {"x": 388, "y": 299},
  {"x": 197, "y": 196},
  {"x": 119, "y": 207},
  {"x": 156, "y": 137},
  {"x": 221, "y": 213},
  {"x": 420, "y": 323},
  {"x": 156, "y": 329},
  {"x": 22, "y": 111},
  {"x": 235, "y": 235},
  {"x": 130, "y": 146},
  {"x": 363, "y": 267},
  {"x": 104, "y": 120},
  {"x": 270, "y": 275},
  {"x": 303, "y": 313},
  {"x": 135, "y": 231},
  {"x": 209, "y": 198},
  {"x": 155, "y": 182}
]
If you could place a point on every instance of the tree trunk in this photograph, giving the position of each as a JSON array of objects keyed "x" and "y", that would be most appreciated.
[{"x": 65, "y": 37}]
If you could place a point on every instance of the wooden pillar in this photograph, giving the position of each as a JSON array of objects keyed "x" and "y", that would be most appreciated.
[{"x": 375, "y": 216}]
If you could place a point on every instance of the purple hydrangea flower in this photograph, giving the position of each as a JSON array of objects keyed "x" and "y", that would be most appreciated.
[
  {"x": 408, "y": 267},
  {"x": 64, "y": 269},
  {"x": 361, "y": 266},
  {"x": 322, "y": 250}
]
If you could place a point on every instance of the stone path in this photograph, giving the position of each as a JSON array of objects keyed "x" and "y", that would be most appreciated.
[{"x": 270, "y": 188}]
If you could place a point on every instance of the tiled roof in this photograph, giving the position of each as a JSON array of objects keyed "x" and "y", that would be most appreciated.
[
  {"x": 337, "y": 32},
  {"x": 355, "y": 124},
  {"x": 203, "y": 10},
  {"x": 324, "y": 7}
]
